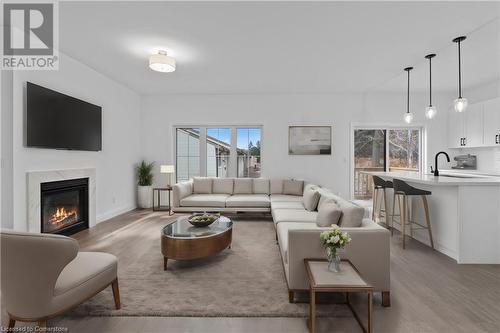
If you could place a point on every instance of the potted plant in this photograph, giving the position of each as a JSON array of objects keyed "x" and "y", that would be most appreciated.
[
  {"x": 144, "y": 182},
  {"x": 334, "y": 240}
]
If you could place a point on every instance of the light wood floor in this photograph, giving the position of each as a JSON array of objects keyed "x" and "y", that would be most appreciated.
[{"x": 429, "y": 293}]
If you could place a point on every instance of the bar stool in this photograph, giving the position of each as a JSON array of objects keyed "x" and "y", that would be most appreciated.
[
  {"x": 379, "y": 185},
  {"x": 402, "y": 191}
]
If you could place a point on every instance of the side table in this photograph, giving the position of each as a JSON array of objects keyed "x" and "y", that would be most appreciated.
[
  {"x": 157, "y": 204},
  {"x": 321, "y": 280}
]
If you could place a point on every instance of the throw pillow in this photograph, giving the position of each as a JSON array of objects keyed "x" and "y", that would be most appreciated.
[
  {"x": 311, "y": 198},
  {"x": 293, "y": 187},
  {"x": 261, "y": 186},
  {"x": 243, "y": 186},
  {"x": 328, "y": 214},
  {"x": 276, "y": 186},
  {"x": 202, "y": 185},
  {"x": 223, "y": 186}
]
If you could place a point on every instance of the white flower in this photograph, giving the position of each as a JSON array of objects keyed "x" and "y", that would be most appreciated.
[
  {"x": 335, "y": 226},
  {"x": 335, "y": 239}
]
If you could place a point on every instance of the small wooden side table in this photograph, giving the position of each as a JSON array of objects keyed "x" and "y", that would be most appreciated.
[
  {"x": 347, "y": 281},
  {"x": 157, "y": 194}
]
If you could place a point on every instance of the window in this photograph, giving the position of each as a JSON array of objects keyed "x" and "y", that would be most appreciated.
[
  {"x": 248, "y": 152},
  {"x": 218, "y": 151},
  {"x": 228, "y": 151},
  {"x": 391, "y": 149},
  {"x": 188, "y": 153}
]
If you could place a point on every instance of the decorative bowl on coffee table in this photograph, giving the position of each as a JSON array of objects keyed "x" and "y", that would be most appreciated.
[{"x": 202, "y": 219}]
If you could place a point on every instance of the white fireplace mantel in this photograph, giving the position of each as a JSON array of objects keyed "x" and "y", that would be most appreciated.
[{"x": 35, "y": 178}]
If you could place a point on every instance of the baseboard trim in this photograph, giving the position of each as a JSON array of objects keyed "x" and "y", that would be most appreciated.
[{"x": 110, "y": 214}]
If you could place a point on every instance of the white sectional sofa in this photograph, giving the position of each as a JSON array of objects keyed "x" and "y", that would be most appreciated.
[{"x": 297, "y": 230}]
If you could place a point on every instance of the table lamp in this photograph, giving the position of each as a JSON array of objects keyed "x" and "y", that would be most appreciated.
[{"x": 169, "y": 170}]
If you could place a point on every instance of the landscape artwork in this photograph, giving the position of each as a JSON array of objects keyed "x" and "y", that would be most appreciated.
[{"x": 310, "y": 140}]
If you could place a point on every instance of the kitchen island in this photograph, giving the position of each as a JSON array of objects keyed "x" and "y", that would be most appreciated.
[{"x": 464, "y": 212}]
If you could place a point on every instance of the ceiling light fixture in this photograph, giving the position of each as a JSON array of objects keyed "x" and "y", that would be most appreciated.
[
  {"x": 430, "y": 111},
  {"x": 408, "y": 116},
  {"x": 161, "y": 62},
  {"x": 460, "y": 102}
]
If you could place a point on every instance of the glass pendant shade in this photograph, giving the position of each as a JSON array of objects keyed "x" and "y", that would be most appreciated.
[
  {"x": 461, "y": 104},
  {"x": 408, "y": 117},
  {"x": 430, "y": 112}
]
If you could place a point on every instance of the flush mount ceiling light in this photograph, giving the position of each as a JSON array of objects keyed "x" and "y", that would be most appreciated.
[
  {"x": 430, "y": 111},
  {"x": 161, "y": 62},
  {"x": 408, "y": 116},
  {"x": 460, "y": 102}
]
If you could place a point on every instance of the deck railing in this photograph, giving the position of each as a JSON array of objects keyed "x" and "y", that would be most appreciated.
[{"x": 363, "y": 183}]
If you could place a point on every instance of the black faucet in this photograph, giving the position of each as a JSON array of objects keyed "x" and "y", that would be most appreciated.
[{"x": 436, "y": 171}]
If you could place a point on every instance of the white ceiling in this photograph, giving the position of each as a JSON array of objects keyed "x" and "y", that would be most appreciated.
[{"x": 283, "y": 47}]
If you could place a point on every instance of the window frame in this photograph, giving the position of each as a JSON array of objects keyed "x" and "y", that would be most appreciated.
[
  {"x": 422, "y": 158},
  {"x": 232, "y": 173}
]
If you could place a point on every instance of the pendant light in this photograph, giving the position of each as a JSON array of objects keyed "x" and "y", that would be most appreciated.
[
  {"x": 161, "y": 62},
  {"x": 408, "y": 116},
  {"x": 430, "y": 111},
  {"x": 460, "y": 102}
]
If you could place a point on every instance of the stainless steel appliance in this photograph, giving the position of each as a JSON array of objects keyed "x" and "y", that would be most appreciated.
[{"x": 465, "y": 162}]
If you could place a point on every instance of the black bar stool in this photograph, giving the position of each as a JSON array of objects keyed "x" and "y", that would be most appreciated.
[
  {"x": 402, "y": 191},
  {"x": 379, "y": 186}
]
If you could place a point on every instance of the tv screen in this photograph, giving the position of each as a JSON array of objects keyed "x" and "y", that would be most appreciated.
[{"x": 55, "y": 120}]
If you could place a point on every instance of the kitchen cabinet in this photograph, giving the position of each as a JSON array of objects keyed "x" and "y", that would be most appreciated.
[
  {"x": 474, "y": 125},
  {"x": 491, "y": 122},
  {"x": 456, "y": 131}
]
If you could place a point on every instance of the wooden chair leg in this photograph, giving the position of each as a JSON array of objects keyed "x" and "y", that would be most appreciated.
[
  {"x": 402, "y": 212},
  {"x": 386, "y": 298},
  {"x": 374, "y": 205},
  {"x": 393, "y": 212},
  {"x": 386, "y": 210},
  {"x": 428, "y": 219},
  {"x": 116, "y": 293},
  {"x": 12, "y": 323},
  {"x": 291, "y": 297}
]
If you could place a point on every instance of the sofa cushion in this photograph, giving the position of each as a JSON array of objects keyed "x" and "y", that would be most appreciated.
[
  {"x": 88, "y": 268},
  {"x": 352, "y": 215},
  {"x": 222, "y": 186},
  {"x": 293, "y": 215},
  {"x": 287, "y": 205},
  {"x": 282, "y": 230},
  {"x": 293, "y": 187},
  {"x": 261, "y": 186},
  {"x": 205, "y": 200},
  {"x": 276, "y": 186},
  {"x": 285, "y": 198},
  {"x": 242, "y": 186},
  {"x": 181, "y": 190},
  {"x": 329, "y": 213},
  {"x": 248, "y": 200},
  {"x": 202, "y": 185},
  {"x": 311, "y": 198}
]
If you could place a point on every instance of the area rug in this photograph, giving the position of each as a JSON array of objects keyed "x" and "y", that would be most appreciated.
[{"x": 244, "y": 281}]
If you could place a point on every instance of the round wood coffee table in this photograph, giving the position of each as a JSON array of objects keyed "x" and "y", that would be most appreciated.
[{"x": 182, "y": 241}]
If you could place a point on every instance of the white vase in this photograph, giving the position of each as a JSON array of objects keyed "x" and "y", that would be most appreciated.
[{"x": 144, "y": 196}]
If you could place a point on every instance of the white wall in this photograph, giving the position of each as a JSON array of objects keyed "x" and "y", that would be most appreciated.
[
  {"x": 276, "y": 113},
  {"x": 114, "y": 165},
  {"x": 6, "y": 175}
]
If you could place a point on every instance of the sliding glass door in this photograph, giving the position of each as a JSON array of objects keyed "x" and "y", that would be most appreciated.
[{"x": 383, "y": 149}]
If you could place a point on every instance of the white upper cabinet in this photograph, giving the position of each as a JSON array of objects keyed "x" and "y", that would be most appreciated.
[
  {"x": 456, "y": 131},
  {"x": 492, "y": 122},
  {"x": 478, "y": 126},
  {"x": 474, "y": 125}
]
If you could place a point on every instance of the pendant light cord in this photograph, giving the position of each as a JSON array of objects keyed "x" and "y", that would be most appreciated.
[
  {"x": 459, "y": 72},
  {"x": 408, "y": 94},
  {"x": 430, "y": 81}
]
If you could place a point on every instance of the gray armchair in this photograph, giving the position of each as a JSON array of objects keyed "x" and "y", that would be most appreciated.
[{"x": 44, "y": 275}]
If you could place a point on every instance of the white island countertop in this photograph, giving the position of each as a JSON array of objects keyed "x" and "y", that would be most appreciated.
[{"x": 446, "y": 178}]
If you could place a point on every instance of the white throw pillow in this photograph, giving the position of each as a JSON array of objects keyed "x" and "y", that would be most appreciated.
[
  {"x": 261, "y": 186},
  {"x": 223, "y": 186},
  {"x": 243, "y": 186},
  {"x": 293, "y": 187},
  {"x": 276, "y": 186},
  {"x": 202, "y": 185},
  {"x": 311, "y": 198},
  {"x": 329, "y": 213}
]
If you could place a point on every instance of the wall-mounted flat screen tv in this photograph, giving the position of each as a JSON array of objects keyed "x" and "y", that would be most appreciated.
[{"x": 55, "y": 120}]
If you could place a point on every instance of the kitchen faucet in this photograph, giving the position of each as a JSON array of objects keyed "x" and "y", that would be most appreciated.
[{"x": 436, "y": 171}]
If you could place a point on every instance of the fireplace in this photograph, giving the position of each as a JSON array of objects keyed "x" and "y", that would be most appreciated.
[{"x": 64, "y": 206}]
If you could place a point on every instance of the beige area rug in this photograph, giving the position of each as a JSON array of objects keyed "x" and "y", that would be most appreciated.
[{"x": 244, "y": 281}]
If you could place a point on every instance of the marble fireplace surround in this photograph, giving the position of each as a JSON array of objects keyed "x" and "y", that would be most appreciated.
[{"x": 35, "y": 178}]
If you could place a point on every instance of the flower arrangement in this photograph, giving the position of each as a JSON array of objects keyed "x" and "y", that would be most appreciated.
[{"x": 333, "y": 240}]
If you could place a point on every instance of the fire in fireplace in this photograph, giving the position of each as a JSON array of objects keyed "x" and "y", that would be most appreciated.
[{"x": 64, "y": 206}]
